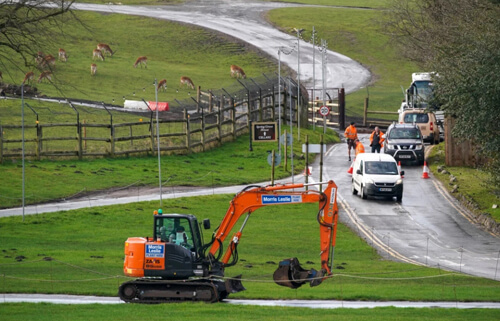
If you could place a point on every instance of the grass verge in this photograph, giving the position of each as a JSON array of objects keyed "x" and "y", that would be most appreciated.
[
  {"x": 469, "y": 185},
  {"x": 195, "y": 312},
  {"x": 81, "y": 252}
]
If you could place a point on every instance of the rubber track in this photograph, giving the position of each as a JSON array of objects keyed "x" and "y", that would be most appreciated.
[{"x": 149, "y": 285}]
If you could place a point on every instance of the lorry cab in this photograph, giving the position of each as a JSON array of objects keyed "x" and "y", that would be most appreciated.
[{"x": 377, "y": 174}]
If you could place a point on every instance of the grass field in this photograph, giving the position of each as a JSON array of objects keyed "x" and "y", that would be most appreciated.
[
  {"x": 86, "y": 246},
  {"x": 196, "y": 312},
  {"x": 173, "y": 50}
]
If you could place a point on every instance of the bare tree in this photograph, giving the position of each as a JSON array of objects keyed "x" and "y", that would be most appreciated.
[{"x": 27, "y": 27}]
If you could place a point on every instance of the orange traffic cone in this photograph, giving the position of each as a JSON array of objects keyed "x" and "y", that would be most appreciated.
[
  {"x": 399, "y": 168},
  {"x": 349, "y": 171},
  {"x": 425, "y": 174},
  {"x": 307, "y": 171}
]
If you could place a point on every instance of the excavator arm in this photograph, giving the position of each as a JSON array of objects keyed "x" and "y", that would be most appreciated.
[{"x": 289, "y": 273}]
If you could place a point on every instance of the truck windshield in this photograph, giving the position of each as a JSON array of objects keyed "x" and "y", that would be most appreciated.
[
  {"x": 381, "y": 168},
  {"x": 422, "y": 93},
  {"x": 404, "y": 133}
]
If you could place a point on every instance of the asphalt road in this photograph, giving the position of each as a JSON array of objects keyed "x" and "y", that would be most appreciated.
[{"x": 429, "y": 227}]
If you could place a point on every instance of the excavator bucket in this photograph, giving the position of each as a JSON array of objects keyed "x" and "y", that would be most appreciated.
[
  {"x": 233, "y": 285},
  {"x": 292, "y": 275}
]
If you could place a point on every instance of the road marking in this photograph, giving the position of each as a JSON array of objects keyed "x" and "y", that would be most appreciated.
[
  {"x": 452, "y": 201},
  {"x": 365, "y": 231}
]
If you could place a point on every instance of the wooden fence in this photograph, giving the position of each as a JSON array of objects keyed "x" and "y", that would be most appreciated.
[{"x": 217, "y": 119}]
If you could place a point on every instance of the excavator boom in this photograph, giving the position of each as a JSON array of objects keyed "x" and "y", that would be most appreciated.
[{"x": 289, "y": 273}]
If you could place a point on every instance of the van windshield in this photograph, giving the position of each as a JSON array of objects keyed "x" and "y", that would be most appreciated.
[
  {"x": 404, "y": 133},
  {"x": 381, "y": 168},
  {"x": 416, "y": 118}
]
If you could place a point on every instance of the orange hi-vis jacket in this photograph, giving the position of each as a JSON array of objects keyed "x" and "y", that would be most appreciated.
[
  {"x": 351, "y": 132},
  {"x": 359, "y": 148},
  {"x": 381, "y": 138}
]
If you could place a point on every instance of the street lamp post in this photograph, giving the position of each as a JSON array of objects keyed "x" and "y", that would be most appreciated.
[
  {"x": 314, "y": 75},
  {"x": 158, "y": 143},
  {"x": 286, "y": 52},
  {"x": 299, "y": 33},
  {"x": 323, "y": 49}
]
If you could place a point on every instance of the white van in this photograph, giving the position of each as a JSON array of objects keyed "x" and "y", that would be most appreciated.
[{"x": 377, "y": 174}]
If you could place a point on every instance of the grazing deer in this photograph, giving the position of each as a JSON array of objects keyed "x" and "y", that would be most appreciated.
[
  {"x": 104, "y": 48},
  {"x": 143, "y": 60},
  {"x": 62, "y": 55},
  {"x": 96, "y": 53},
  {"x": 47, "y": 61},
  {"x": 39, "y": 57},
  {"x": 45, "y": 75},
  {"x": 28, "y": 77},
  {"x": 162, "y": 85},
  {"x": 237, "y": 72},
  {"x": 93, "y": 69},
  {"x": 187, "y": 81}
]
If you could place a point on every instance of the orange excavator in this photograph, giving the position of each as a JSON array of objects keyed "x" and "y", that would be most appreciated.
[{"x": 175, "y": 265}]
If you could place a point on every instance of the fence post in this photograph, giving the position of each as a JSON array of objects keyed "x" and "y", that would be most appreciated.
[
  {"x": 210, "y": 102},
  {"x": 131, "y": 137},
  {"x": 151, "y": 131},
  {"x": 365, "y": 111},
  {"x": 233, "y": 120},
  {"x": 38, "y": 141},
  {"x": 1, "y": 144},
  {"x": 202, "y": 128},
  {"x": 198, "y": 95},
  {"x": 342, "y": 108},
  {"x": 220, "y": 120},
  {"x": 112, "y": 138},
  {"x": 79, "y": 134},
  {"x": 188, "y": 133}
]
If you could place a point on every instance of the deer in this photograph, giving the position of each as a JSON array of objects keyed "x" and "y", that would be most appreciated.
[
  {"x": 96, "y": 53},
  {"x": 104, "y": 48},
  {"x": 93, "y": 69},
  {"x": 162, "y": 85},
  {"x": 187, "y": 81},
  {"x": 45, "y": 75},
  {"x": 47, "y": 61},
  {"x": 39, "y": 57},
  {"x": 62, "y": 55},
  {"x": 28, "y": 77},
  {"x": 142, "y": 60},
  {"x": 237, "y": 72}
]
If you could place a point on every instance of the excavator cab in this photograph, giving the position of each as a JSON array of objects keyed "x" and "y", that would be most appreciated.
[{"x": 174, "y": 251}]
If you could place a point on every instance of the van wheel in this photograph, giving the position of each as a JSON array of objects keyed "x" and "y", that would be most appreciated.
[
  {"x": 363, "y": 193},
  {"x": 353, "y": 190}
]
